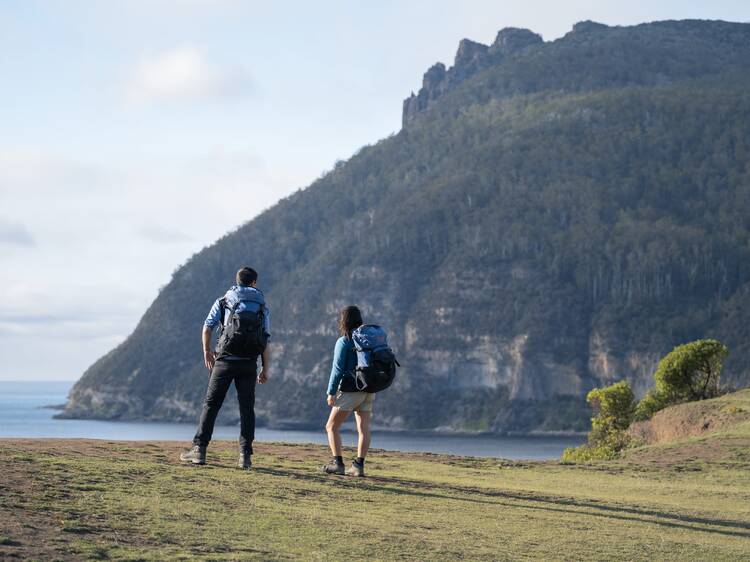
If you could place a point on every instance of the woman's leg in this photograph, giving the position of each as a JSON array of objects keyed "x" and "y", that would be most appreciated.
[
  {"x": 363, "y": 428},
  {"x": 333, "y": 427}
]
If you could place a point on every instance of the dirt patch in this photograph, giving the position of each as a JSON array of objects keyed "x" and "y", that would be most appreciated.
[
  {"x": 27, "y": 534},
  {"x": 688, "y": 420},
  {"x": 39, "y": 517},
  {"x": 735, "y": 451}
]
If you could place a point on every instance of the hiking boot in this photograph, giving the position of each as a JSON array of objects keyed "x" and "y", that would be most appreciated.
[
  {"x": 356, "y": 469},
  {"x": 196, "y": 455},
  {"x": 245, "y": 462},
  {"x": 334, "y": 467}
]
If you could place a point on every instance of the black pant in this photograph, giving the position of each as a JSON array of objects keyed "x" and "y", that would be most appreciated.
[{"x": 243, "y": 373}]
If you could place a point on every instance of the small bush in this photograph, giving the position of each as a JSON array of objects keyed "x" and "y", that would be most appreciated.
[
  {"x": 7, "y": 541},
  {"x": 732, "y": 409},
  {"x": 613, "y": 407},
  {"x": 651, "y": 403},
  {"x": 607, "y": 449},
  {"x": 689, "y": 372}
]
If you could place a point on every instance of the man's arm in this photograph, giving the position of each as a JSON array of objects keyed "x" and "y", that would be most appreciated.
[
  {"x": 266, "y": 355},
  {"x": 208, "y": 356},
  {"x": 264, "y": 371},
  {"x": 212, "y": 320}
]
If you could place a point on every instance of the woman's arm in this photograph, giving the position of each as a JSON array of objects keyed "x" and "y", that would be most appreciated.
[{"x": 337, "y": 369}]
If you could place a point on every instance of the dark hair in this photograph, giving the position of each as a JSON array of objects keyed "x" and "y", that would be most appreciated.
[
  {"x": 246, "y": 276},
  {"x": 350, "y": 319}
]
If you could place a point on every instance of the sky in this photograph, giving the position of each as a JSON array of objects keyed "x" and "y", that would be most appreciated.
[{"x": 135, "y": 133}]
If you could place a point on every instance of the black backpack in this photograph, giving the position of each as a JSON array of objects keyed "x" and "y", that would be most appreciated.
[
  {"x": 376, "y": 362},
  {"x": 243, "y": 334}
]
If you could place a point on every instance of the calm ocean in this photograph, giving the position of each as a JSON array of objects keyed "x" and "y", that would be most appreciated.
[{"x": 23, "y": 414}]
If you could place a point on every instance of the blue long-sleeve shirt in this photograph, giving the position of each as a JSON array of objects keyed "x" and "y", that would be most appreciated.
[{"x": 344, "y": 361}]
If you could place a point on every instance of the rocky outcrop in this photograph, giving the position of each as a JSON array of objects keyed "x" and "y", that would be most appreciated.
[
  {"x": 606, "y": 365},
  {"x": 588, "y": 26},
  {"x": 471, "y": 58}
]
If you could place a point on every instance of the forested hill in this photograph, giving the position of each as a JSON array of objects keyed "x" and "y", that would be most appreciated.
[{"x": 553, "y": 216}]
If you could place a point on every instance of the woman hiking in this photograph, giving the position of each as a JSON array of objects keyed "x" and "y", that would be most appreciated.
[{"x": 343, "y": 403}]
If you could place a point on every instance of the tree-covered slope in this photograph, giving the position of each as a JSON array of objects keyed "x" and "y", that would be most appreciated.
[{"x": 557, "y": 218}]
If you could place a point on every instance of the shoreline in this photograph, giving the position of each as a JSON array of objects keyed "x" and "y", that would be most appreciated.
[{"x": 293, "y": 426}]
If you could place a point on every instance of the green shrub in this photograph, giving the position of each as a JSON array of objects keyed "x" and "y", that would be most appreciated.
[
  {"x": 732, "y": 409},
  {"x": 689, "y": 372},
  {"x": 613, "y": 407},
  {"x": 608, "y": 448},
  {"x": 651, "y": 403}
]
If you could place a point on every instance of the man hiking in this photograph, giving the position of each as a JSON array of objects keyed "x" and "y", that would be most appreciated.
[{"x": 243, "y": 320}]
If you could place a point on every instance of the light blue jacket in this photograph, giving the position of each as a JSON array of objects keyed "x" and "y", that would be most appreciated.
[{"x": 344, "y": 361}]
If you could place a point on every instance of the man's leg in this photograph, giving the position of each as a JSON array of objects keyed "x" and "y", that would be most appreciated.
[
  {"x": 218, "y": 384},
  {"x": 245, "y": 374}
]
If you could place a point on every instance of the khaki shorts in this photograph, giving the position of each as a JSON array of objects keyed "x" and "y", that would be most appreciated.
[{"x": 354, "y": 401}]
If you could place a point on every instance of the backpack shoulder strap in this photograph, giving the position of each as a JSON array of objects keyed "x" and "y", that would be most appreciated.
[
  {"x": 232, "y": 310},
  {"x": 222, "y": 313},
  {"x": 226, "y": 308}
]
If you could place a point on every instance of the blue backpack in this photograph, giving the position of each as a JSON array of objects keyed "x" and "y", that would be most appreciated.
[
  {"x": 376, "y": 362},
  {"x": 242, "y": 334}
]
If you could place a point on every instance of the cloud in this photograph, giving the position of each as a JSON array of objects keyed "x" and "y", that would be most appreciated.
[
  {"x": 75, "y": 325},
  {"x": 15, "y": 234},
  {"x": 111, "y": 234},
  {"x": 183, "y": 74},
  {"x": 161, "y": 235},
  {"x": 24, "y": 171}
]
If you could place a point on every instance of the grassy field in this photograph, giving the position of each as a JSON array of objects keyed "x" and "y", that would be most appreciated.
[{"x": 85, "y": 499}]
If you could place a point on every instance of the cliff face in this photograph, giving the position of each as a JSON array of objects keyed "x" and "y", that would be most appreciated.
[
  {"x": 471, "y": 58},
  {"x": 552, "y": 217}
]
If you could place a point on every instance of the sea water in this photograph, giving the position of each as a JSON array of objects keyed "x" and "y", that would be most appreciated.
[{"x": 25, "y": 412}]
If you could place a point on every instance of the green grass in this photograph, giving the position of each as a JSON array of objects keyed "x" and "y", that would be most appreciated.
[{"x": 78, "y": 499}]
